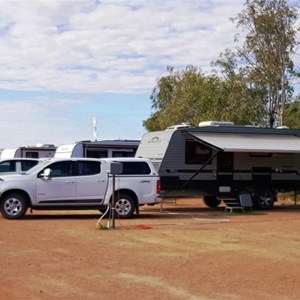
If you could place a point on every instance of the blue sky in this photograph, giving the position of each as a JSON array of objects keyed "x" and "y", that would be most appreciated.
[{"x": 65, "y": 62}]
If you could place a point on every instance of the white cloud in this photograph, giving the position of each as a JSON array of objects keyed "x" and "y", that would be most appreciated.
[{"x": 108, "y": 45}]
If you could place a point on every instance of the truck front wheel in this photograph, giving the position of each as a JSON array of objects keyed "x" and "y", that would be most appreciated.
[
  {"x": 124, "y": 206},
  {"x": 13, "y": 206},
  {"x": 211, "y": 201}
]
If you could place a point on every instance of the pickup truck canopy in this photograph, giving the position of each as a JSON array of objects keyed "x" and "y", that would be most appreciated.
[{"x": 229, "y": 142}]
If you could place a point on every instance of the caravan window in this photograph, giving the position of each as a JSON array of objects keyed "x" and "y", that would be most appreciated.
[
  {"x": 123, "y": 154},
  {"x": 260, "y": 154},
  {"x": 31, "y": 154},
  {"x": 95, "y": 153},
  {"x": 196, "y": 153}
]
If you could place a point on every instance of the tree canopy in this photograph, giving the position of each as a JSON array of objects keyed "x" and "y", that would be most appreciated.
[
  {"x": 267, "y": 51},
  {"x": 191, "y": 96}
]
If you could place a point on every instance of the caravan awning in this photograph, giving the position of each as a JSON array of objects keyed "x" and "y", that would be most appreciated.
[{"x": 250, "y": 142}]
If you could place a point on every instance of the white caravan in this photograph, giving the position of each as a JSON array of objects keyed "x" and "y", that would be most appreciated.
[
  {"x": 220, "y": 161},
  {"x": 39, "y": 151},
  {"x": 98, "y": 149}
]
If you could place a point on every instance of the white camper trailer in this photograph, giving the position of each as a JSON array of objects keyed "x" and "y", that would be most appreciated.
[
  {"x": 98, "y": 149},
  {"x": 221, "y": 161},
  {"x": 39, "y": 151}
]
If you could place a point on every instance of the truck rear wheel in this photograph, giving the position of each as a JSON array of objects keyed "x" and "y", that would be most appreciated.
[
  {"x": 211, "y": 201},
  {"x": 13, "y": 206},
  {"x": 124, "y": 206},
  {"x": 264, "y": 199}
]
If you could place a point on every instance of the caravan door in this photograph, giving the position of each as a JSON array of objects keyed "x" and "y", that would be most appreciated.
[{"x": 225, "y": 168}]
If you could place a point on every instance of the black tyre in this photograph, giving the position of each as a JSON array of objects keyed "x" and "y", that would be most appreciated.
[
  {"x": 264, "y": 199},
  {"x": 13, "y": 206},
  {"x": 124, "y": 206},
  {"x": 211, "y": 201}
]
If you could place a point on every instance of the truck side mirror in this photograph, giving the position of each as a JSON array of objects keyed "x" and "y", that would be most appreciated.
[{"x": 46, "y": 175}]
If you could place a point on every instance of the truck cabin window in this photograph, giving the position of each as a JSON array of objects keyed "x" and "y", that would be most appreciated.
[
  {"x": 196, "y": 153},
  {"x": 86, "y": 168}
]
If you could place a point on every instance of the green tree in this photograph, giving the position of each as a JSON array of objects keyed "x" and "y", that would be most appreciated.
[
  {"x": 245, "y": 100},
  {"x": 292, "y": 114},
  {"x": 269, "y": 45},
  {"x": 180, "y": 96},
  {"x": 191, "y": 96}
]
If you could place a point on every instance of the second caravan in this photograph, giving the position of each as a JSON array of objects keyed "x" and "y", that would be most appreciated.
[
  {"x": 39, "y": 151},
  {"x": 98, "y": 149}
]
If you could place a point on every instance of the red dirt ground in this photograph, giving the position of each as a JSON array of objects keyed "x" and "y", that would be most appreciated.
[{"x": 186, "y": 251}]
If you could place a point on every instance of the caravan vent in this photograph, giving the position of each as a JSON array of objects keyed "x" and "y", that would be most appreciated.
[
  {"x": 180, "y": 126},
  {"x": 215, "y": 123},
  {"x": 45, "y": 145}
]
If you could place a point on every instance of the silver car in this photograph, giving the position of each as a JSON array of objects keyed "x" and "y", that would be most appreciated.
[{"x": 17, "y": 165}]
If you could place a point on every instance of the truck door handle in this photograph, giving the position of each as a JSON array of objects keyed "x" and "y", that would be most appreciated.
[{"x": 145, "y": 181}]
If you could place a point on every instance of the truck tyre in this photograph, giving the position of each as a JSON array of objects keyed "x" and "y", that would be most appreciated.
[
  {"x": 264, "y": 199},
  {"x": 124, "y": 206},
  {"x": 13, "y": 206},
  {"x": 211, "y": 201}
]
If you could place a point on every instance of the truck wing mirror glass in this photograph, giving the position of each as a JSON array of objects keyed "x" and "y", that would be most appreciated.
[{"x": 46, "y": 174}]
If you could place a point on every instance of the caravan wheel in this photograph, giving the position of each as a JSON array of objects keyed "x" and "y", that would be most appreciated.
[
  {"x": 264, "y": 199},
  {"x": 211, "y": 201}
]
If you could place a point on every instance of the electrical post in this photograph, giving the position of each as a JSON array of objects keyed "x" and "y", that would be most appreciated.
[
  {"x": 113, "y": 201},
  {"x": 115, "y": 169}
]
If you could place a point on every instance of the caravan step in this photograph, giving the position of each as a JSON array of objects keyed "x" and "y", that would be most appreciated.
[
  {"x": 232, "y": 203},
  {"x": 243, "y": 202}
]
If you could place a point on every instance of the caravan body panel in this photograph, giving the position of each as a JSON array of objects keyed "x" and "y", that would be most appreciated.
[
  {"x": 69, "y": 150},
  {"x": 9, "y": 153}
]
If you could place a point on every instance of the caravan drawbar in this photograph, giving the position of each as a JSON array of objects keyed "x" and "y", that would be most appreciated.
[{"x": 222, "y": 160}]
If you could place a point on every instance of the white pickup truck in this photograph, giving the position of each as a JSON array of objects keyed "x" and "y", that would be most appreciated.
[{"x": 80, "y": 183}]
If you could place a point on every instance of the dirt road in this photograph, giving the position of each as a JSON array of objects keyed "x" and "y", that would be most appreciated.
[{"x": 187, "y": 251}]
